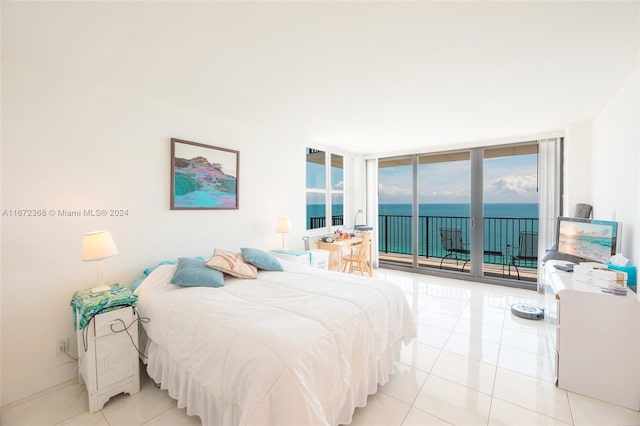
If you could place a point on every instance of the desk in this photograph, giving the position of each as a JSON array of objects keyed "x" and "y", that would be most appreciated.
[{"x": 335, "y": 248}]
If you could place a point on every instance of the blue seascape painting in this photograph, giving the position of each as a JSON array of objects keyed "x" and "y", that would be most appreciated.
[{"x": 199, "y": 181}]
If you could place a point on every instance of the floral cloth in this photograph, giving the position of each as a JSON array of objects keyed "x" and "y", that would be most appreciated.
[{"x": 88, "y": 304}]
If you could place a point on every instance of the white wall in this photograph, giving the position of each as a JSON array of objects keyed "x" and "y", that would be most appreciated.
[
  {"x": 615, "y": 176},
  {"x": 577, "y": 176},
  {"x": 601, "y": 164}
]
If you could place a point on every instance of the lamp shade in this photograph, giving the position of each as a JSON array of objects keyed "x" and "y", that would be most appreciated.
[
  {"x": 98, "y": 245},
  {"x": 284, "y": 225}
]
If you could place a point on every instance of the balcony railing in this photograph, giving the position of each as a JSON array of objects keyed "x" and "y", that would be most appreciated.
[
  {"x": 501, "y": 236},
  {"x": 320, "y": 221}
]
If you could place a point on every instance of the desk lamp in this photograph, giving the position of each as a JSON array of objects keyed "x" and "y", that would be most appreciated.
[
  {"x": 283, "y": 227},
  {"x": 357, "y": 227},
  {"x": 355, "y": 219},
  {"x": 98, "y": 245}
]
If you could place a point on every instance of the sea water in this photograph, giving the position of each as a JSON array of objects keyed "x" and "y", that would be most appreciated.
[{"x": 520, "y": 210}]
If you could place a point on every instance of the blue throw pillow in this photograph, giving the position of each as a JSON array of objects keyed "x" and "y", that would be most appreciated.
[
  {"x": 261, "y": 259},
  {"x": 192, "y": 272}
]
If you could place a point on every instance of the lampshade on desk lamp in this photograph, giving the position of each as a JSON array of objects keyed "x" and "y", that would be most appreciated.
[
  {"x": 355, "y": 219},
  {"x": 283, "y": 227},
  {"x": 98, "y": 245}
]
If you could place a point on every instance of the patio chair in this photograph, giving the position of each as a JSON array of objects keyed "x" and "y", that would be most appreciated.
[
  {"x": 527, "y": 250},
  {"x": 452, "y": 244}
]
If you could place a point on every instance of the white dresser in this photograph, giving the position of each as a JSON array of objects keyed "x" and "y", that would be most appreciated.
[
  {"x": 596, "y": 336},
  {"x": 107, "y": 357}
]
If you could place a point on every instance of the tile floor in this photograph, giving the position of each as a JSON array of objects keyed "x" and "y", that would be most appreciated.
[{"x": 473, "y": 363}]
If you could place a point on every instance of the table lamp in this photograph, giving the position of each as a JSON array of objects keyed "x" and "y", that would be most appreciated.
[
  {"x": 98, "y": 245},
  {"x": 283, "y": 227}
]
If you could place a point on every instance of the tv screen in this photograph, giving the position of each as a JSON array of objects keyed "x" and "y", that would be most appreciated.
[{"x": 588, "y": 239}]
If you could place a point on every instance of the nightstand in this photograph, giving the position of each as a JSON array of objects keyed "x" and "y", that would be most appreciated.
[{"x": 107, "y": 349}]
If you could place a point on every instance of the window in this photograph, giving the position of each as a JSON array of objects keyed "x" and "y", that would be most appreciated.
[
  {"x": 325, "y": 189},
  {"x": 461, "y": 211}
]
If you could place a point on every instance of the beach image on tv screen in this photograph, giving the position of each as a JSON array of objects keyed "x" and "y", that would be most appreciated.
[{"x": 586, "y": 240}]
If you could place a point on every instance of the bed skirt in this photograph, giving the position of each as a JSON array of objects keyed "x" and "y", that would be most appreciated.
[{"x": 189, "y": 393}]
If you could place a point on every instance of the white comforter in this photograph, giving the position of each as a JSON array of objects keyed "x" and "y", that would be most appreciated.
[{"x": 299, "y": 347}]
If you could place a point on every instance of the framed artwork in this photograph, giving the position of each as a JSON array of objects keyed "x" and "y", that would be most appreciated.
[{"x": 203, "y": 176}]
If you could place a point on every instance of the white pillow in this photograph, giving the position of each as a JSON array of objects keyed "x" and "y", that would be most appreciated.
[{"x": 232, "y": 264}]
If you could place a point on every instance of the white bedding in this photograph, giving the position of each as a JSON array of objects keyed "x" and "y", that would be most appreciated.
[{"x": 299, "y": 347}]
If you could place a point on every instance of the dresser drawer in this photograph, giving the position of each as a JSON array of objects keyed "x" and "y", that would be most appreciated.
[{"x": 119, "y": 319}]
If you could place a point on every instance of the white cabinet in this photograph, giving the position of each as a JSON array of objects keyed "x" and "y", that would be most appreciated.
[
  {"x": 597, "y": 338},
  {"x": 107, "y": 357}
]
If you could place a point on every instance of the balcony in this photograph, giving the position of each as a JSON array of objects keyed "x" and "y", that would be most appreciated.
[{"x": 501, "y": 240}]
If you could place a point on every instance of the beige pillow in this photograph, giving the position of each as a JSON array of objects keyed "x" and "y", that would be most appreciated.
[{"x": 232, "y": 264}]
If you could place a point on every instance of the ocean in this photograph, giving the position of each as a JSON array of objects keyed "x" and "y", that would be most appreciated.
[
  {"x": 503, "y": 225},
  {"x": 524, "y": 210}
]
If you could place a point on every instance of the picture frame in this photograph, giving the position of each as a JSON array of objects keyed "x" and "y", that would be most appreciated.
[{"x": 203, "y": 177}]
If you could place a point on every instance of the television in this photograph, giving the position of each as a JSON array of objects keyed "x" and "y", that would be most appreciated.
[{"x": 592, "y": 240}]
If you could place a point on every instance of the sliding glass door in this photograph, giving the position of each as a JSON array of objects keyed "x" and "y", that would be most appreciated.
[
  {"x": 510, "y": 223},
  {"x": 395, "y": 211},
  {"x": 444, "y": 214},
  {"x": 464, "y": 213}
]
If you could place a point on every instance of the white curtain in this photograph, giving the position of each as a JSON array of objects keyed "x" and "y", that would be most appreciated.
[
  {"x": 372, "y": 207},
  {"x": 549, "y": 169}
]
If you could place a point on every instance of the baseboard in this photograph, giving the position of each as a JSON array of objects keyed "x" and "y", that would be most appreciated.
[{"x": 30, "y": 386}]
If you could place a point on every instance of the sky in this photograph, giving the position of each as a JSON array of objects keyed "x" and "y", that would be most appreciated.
[{"x": 506, "y": 180}]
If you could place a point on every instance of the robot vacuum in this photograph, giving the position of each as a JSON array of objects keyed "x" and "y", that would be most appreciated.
[{"x": 527, "y": 311}]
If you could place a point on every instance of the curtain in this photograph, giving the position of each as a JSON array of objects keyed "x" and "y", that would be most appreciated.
[
  {"x": 549, "y": 179},
  {"x": 372, "y": 206}
]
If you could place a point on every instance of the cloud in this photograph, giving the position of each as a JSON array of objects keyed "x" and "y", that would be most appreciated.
[
  {"x": 456, "y": 195},
  {"x": 505, "y": 189},
  {"x": 392, "y": 193},
  {"x": 517, "y": 186}
]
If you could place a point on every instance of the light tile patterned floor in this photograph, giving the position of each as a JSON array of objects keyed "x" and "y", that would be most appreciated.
[{"x": 472, "y": 364}]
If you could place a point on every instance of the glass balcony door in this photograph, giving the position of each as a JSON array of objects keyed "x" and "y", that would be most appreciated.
[
  {"x": 395, "y": 211},
  {"x": 466, "y": 213},
  {"x": 444, "y": 216},
  {"x": 510, "y": 212}
]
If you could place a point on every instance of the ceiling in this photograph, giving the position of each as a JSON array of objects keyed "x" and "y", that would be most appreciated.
[{"x": 368, "y": 77}]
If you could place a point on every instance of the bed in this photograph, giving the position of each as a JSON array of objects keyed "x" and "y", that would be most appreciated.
[{"x": 299, "y": 347}]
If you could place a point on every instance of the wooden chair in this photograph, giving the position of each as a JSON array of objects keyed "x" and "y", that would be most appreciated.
[{"x": 358, "y": 258}]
